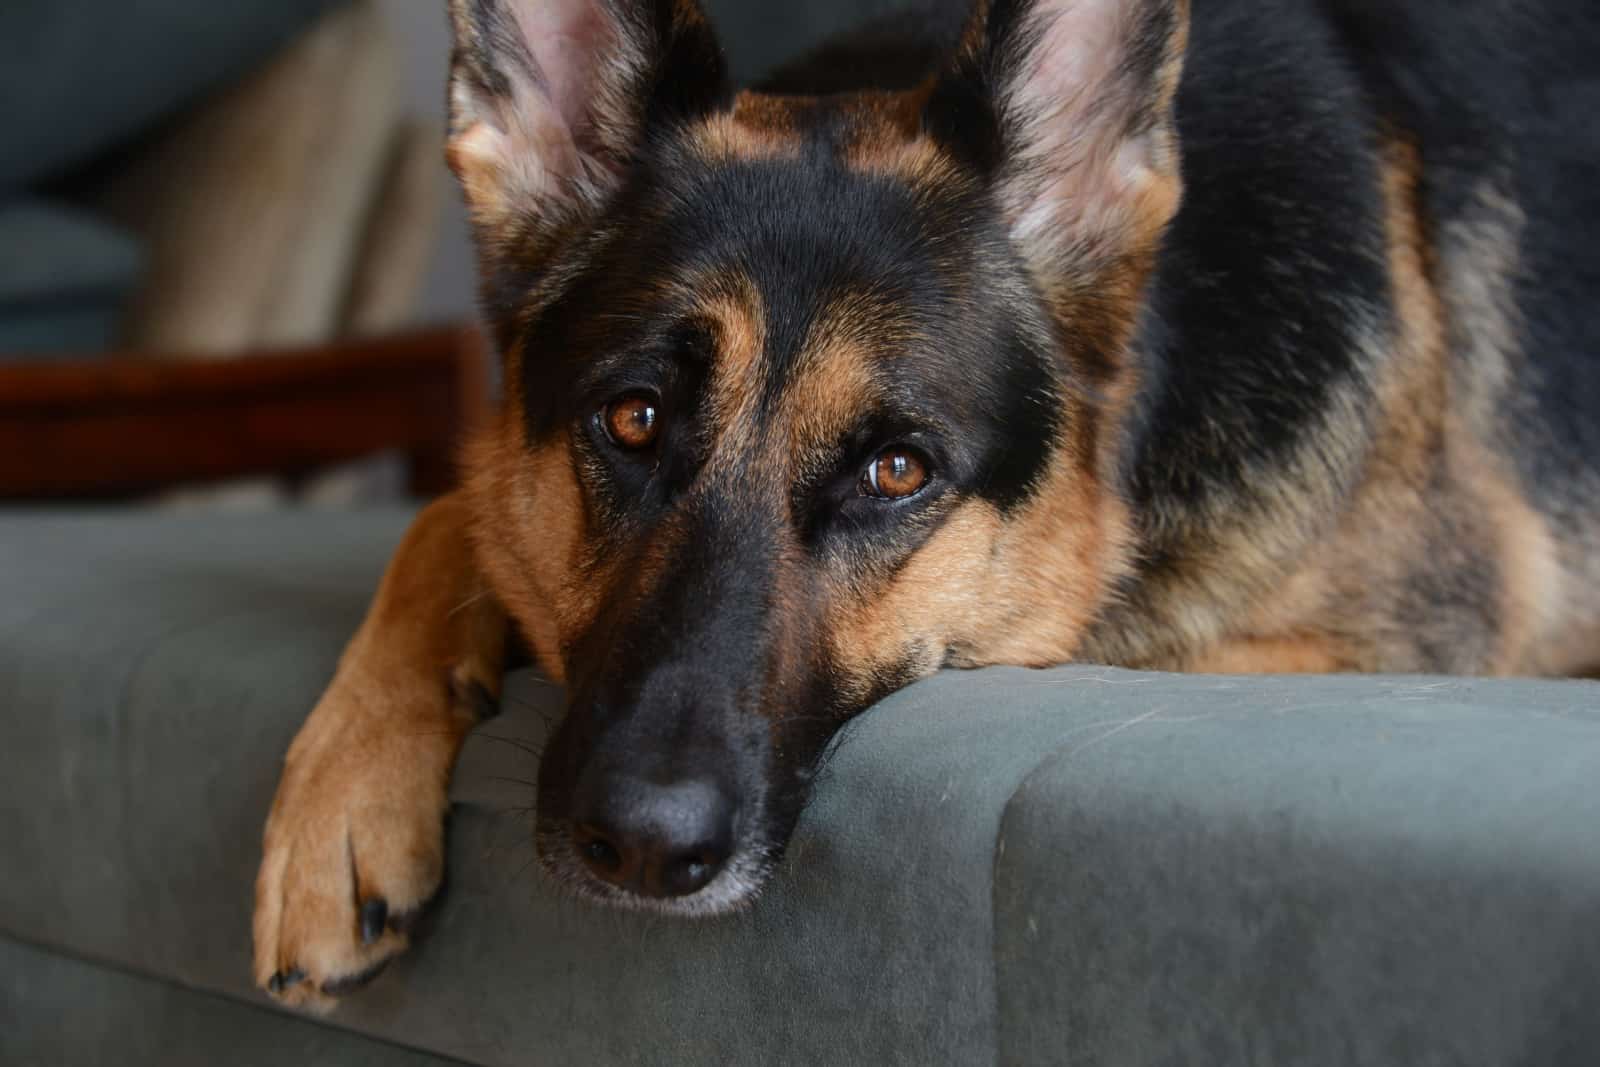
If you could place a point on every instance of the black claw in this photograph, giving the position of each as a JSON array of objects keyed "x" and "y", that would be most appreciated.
[
  {"x": 284, "y": 979},
  {"x": 374, "y": 914},
  {"x": 338, "y": 987}
]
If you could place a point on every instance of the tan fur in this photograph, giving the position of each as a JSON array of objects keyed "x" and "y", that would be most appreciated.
[
  {"x": 1427, "y": 429},
  {"x": 885, "y": 135},
  {"x": 1338, "y": 593},
  {"x": 937, "y": 599},
  {"x": 757, "y": 127},
  {"x": 1433, "y": 493},
  {"x": 985, "y": 590},
  {"x": 527, "y": 524},
  {"x": 834, "y": 382},
  {"x": 915, "y": 160},
  {"x": 1533, "y": 637},
  {"x": 359, "y": 811},
  {"x": 828, "y": 387},
  {"x": 1479, "y": 259},
  {"x": 1283, "y": 655},
  {"x": 767, "y": 126},
  {"x": 733, "y": 306}
]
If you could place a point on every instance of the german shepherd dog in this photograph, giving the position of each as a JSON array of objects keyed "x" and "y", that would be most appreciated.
[{"x": 1262, "y": 340}]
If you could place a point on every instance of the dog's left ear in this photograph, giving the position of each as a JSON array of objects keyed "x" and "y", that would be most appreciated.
[
  {"x": 1086, "y": 147},
  {"x": 551, "y": 99}
]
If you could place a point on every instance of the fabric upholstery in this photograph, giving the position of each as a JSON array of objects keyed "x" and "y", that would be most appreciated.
[
  {"x": 1076, "y": 866},
  {"x": 63, "y": 280},
  {"x": 254, "y": 207},
  {"x": 1315, "y": 871},
  {"x": 78, "y": 78},
  {"x": 56, "y": 1011}
]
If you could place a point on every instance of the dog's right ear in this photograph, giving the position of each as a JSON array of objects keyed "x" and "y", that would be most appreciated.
[{"x": 549, "y": 99}]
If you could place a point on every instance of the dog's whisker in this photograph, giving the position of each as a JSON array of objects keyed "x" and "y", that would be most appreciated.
[
  {"x": 467, "y": 603},
  {"x": 511, "y": 781},
  {"x": 531, "y": 748}
]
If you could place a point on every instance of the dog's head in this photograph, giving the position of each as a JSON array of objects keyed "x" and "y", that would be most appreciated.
[{"x": 807, "y": 396}]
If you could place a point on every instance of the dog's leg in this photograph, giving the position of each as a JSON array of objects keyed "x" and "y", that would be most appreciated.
[{"x": 354, "y": 845}]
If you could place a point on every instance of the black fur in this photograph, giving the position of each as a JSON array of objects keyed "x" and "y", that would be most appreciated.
[
  {"x": 1273, "y": 276},
  {"x": 806, "y": 234},
  {"x": 1279, "y": 110},
  {"x": 1510, "y": 94}
]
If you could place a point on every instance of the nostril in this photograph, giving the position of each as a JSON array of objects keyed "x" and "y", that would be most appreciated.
[
  {"x": 598, "y": 852},
  {"x": 603, "y": 853},
  {"x": 654, "y": 840},
  {"x": 688, "y": 874}
]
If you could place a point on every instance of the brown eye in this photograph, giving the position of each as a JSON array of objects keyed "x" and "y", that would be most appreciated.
[
  {"x": 896, "y": 473},
  {"x": 633, "y": 422}
]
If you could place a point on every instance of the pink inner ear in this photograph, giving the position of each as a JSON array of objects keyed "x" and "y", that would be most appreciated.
[
  {"x": 1073, "y": 101},
  {"x": 1076, "y": 55},
  {"x": 568, "y": 40},
  {"x": 1068, "y": 94}
]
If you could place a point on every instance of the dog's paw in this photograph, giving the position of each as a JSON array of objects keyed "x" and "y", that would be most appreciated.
[{"x": 354, "y": 846}]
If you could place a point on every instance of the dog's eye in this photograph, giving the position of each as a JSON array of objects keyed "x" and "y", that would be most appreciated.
[
  {"x": 632, "y": 422},
  {"x": 895, "y": 474}
]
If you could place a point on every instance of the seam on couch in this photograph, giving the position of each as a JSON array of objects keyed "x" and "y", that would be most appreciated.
[
  {"x": 1091, "y": 736},
  {"x": 1047, "y": 763},
  {"x": 260, "y": 1005}
]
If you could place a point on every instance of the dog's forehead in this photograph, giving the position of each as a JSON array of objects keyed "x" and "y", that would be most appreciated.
[
  {"x": 849, "y": 180},
  {"x": 865, "y": 129},
  {"x": 815, "y": 227},
  {"x": 835, "y": 277},
  {"x": 799, "y": 372}
]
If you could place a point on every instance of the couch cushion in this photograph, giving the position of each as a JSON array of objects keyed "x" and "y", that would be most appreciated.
[
  {"x": 63, "y": 281},
  {"x": 61, "y": 1012},
  {"x": 1069, "y": 866},
  {"x": 253, "y": 206},
  {"x": 1323, "y": 870},
  {"x": 153, "y": 670},
  {"x": 79, "y": 77}
]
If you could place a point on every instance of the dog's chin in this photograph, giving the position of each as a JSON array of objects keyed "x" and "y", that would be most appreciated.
[{"x": 734, "y": 889}]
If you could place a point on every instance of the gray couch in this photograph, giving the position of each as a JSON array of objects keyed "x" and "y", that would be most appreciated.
[{"x": 1080, "y": 866}]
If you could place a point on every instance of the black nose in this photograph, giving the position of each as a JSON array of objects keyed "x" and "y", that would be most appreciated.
[{"x": 653, "y": 840}]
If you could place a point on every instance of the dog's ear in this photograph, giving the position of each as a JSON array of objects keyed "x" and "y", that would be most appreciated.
[
  {"x": 1084, "y": 147},
  {"x": 550, "y": 99}
]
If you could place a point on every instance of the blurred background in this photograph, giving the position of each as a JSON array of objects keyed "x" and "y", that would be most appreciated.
[{"x": 234, "y": 272}]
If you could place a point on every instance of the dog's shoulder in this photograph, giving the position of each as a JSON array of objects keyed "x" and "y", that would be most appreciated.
[{"x": 1501, "y": 101}]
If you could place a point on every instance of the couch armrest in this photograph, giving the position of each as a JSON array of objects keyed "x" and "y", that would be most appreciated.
[
  {"x": 119, "y": 425},
  {"x": 1306, "y": 871},
  {"x": 1079, "y": 866}
]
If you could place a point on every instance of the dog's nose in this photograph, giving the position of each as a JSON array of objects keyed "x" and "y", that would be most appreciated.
[{"x": 655, "y": 840}]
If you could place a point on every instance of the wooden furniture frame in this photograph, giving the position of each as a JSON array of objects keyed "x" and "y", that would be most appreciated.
[{"x": 118, "y": 425}]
